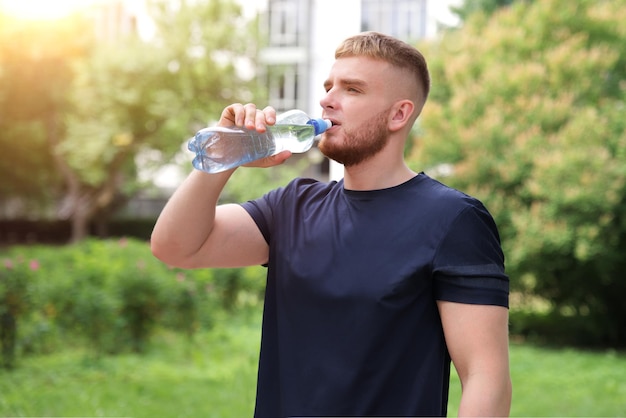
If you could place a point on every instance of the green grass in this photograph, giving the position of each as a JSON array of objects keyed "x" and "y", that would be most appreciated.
[
  {"x": 568, "y": 382},
  {"x": 562, "y": 382},
  {"x": 215, "y": 376}
]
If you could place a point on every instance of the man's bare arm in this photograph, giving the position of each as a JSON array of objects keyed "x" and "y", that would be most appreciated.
[
  {"x": 193, "y": 231},
  {"x": 477, "y": 339}
]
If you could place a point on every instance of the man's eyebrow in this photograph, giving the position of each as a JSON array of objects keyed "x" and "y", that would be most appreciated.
[{"x": 346, "y": 82}]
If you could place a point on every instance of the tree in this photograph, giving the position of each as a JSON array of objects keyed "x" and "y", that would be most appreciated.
[
  {"x": 35, "y": 77},
  {"x": 488, "y": 7},
  {"x": 133, "y": 96},
  {"x": 126, "y": 96},
  {"x": 213, "y": 49},
  {"x": 528, "y": 109}
]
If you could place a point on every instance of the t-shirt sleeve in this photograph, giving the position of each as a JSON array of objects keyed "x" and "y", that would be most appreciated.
[
  {"x": 264, "y": 210},
  {"x": 468, "y": 266},
  {"x": 261, "y": 212}
]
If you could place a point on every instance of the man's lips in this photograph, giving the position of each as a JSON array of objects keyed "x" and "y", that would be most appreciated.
[
  {"x": 334, "y": 122},
  {"x": 332, "y": 128}
]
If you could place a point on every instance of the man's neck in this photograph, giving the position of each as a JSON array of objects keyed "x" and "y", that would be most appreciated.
[{"x": 373, "y": 175}]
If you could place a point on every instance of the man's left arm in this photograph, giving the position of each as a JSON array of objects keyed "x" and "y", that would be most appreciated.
[{"x": 478, "y": 342}]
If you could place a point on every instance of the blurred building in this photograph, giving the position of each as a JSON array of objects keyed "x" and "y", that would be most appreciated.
[
  {"x": 302, "y": 36},
  {"x": 113, "y": 19}
]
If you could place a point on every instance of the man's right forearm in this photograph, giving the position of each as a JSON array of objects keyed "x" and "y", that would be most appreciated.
[{"x": 188, "y": 217}]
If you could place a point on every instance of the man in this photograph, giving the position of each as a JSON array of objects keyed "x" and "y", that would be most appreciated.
[{"x": 374, "y": 282}]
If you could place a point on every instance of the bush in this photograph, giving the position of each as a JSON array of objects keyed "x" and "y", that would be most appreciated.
[
  {"x": 110, "y": 296},
  {"x": 45, "y": 231},
  {"x": 14, "y": 300},
  {"x": 558, "y": 328}
]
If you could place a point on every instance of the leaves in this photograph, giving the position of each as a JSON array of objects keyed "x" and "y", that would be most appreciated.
[
  {"x": 528, "y": 106},
  {"x": 76, "y": 112}
]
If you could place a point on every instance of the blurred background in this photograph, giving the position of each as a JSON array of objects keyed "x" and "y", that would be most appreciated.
[{"x": 97, "y": 101}]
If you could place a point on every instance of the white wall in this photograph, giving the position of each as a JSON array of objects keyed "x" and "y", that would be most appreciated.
[{"x": 332, "y": 22}]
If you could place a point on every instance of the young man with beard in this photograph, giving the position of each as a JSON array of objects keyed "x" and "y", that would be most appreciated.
[{"x": 374, "y": 282}]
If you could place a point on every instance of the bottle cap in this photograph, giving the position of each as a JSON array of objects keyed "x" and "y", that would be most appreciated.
[{"x": 320, "y": 125}]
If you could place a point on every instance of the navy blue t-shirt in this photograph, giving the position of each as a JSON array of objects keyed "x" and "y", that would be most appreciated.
[{"x": 351, "y": 326}]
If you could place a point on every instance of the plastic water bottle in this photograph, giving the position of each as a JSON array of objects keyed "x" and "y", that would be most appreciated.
[{"x": 220, "y": 148}]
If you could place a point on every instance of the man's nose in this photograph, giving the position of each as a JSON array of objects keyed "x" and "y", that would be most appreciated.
[{"x": 328, "y": 100}]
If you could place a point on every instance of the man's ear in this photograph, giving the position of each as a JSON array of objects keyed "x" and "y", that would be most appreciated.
[{"x": 401, "y": 113}]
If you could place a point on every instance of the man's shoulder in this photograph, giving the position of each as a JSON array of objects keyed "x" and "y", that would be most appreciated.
[
  {"x": 308, "y": 187},
  {"x": 439, "y": 194}
]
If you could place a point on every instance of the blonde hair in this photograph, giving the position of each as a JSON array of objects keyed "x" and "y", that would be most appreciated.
[{"x": 389, "y": 49}]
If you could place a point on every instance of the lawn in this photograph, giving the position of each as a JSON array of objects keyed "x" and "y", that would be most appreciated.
[
  {"x": 562, "y": 383},
  {"x": 214, "y": 376}
]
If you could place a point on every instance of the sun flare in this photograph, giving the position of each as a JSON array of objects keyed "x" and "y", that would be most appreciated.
[{"x": 42, "y": 9}]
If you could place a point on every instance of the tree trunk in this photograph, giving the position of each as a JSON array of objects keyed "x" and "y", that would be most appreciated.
[
  {"x": 80, "y": 225},
  {"x": 82, "y": 201}
]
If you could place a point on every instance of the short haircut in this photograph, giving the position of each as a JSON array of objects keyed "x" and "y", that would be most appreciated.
[{"x": 389, "y": 49}]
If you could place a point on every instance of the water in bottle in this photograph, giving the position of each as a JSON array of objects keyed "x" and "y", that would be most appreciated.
[{"x": 219, "y": 148}]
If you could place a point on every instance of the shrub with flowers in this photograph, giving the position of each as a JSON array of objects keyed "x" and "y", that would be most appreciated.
[
  {"x": 109, "y": 296},
  {"x": 14, "y": 303}
]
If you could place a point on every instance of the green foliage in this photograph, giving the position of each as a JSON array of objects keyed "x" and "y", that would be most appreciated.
[
  {"x": 14, "y": 303},
  {"x": 73, "y": 131},
  {"x": 555, "y": 328},
  {"x": 250, "y": 183},
  {"x": 488, "y": 7},
  {"x": 211, "y": 43},
  {"x": 112, "y": 296},
  {"x": 119, "y": 105},
  {"x": 131, "y": 95},
  {"x": 35, "y": 77},
  {"x": 528, "y": 108}
]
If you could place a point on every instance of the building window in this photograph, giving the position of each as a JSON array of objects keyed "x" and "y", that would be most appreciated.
[
  {"x": 283, "y": 23},
  {"x": 283, "y": 83},
  {"x": 404, "y": 19}
]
